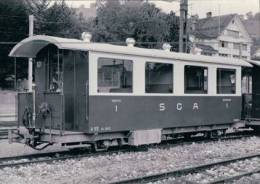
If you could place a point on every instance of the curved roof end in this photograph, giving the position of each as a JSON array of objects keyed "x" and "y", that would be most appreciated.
[{"x": 29, "y": 47}]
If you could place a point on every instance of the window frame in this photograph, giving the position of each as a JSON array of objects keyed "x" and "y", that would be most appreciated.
[
  {"x": 97, "y": 73},
  {"x": 244, "y": 47},
  {"x": 224, "y": 44},
  {"x": 233, "y": 33},
  {"x": 184, "y": 81},
  {"x": 227, "y": 69},
  {"x": 172, "y": 76}
]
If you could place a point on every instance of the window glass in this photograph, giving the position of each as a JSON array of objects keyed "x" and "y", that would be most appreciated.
[
  {"x": 158, "y": 78},
  {"x": 223, "y": 55},
  {"x": 234, "y": 34},
  {"x": 224, "y": 44},
  {"x": 115, "y": 75},
  {"x": 196, "y": 80},
  {"x": 244, "y": 46},
  {"x": 236, "y": 46},
  {"x": 55, "y": 71},
  {"x": 226, "y": 81}
]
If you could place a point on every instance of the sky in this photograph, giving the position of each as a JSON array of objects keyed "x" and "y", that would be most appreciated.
[{"x": 200, "y": 7}]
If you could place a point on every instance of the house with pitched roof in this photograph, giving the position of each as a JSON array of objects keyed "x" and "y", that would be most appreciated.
[{"x": 223, "y": 35}]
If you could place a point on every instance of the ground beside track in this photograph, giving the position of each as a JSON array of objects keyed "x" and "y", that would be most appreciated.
[
  {"x": 16, "y": 149},
  {"x": 104, "y": 169}
]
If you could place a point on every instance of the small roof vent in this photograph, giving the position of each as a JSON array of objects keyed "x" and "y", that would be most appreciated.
[
  {"x": 86, "y": 37},
  {"x": 130, "y": 42},
  {"x": 167, "y": 47}
]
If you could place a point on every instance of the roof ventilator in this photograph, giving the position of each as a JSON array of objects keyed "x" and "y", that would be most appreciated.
[
  {"x": 130, "y": 42},
  {"x": 167, "y": 47},
  {"x": 86, "y": 37}
]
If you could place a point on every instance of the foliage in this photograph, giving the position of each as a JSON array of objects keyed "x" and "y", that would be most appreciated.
[
  {"x": 56, "y": 20},
  {"x": 13, "y": 28},
  {"x": 148, "y": 25},
  {"x": 115, "y": 22}
]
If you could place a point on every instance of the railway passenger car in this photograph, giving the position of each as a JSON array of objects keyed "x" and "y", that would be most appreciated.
[
  {"x": 251, "y": 97},
  {"x": 102, "y": 95}
]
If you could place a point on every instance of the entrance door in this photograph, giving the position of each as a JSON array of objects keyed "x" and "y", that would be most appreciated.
[
  {"x": 74, "y": 88},
  {"x": 256, "y": 92},
  {"x": 49, "y": 98}
]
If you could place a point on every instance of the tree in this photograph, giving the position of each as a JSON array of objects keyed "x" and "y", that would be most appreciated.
[
  {"x": 56, "y": 20},
  {"x": 148, "y": 25},
  {"x": 13, "y": 28}
]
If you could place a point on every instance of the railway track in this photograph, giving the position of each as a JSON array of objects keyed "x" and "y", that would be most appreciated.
[
  {"x": 4, "y": 132},
  {"x": 202, "y": 139},
  {"x": 77, "y": 154},
  {"x": 16, "y": 161},
  {"x": 205, "y": 171}
]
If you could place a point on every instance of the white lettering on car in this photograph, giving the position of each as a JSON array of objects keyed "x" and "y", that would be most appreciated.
[
  {"x": 179, "y": 106},
  {"x": 162, "y": 107},
  {"x": 116, "y": 108},
  {"x": 196, "y": 106}
]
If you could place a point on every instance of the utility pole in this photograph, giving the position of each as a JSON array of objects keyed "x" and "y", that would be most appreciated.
[
  {"x": 183, "y": 36},
  {"x": 30, "y": 64}
]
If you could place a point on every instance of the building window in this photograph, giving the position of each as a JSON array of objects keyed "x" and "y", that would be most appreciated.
[
  {"x": 223, "y": 55},
  {"x": 206, "y": 54},
  {"x": 226, "y": 81},
  {"x": 244, "y": 46},
  {"x": 234, "y": 34},
  {"x": 196, "y": 80},
  {"x": 236, "y": 56},
  {"x": 115, "y": 75},
  {"x": 158, "y": 78},
  {"x": 223, "y": 44},
  {"x": 236, "y": 46}
]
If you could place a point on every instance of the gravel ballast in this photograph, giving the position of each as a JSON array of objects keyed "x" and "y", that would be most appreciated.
[{"x": 108, "y": 168}]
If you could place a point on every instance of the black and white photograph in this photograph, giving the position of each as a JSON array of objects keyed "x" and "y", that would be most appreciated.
[{"x": 129, "y": 91}]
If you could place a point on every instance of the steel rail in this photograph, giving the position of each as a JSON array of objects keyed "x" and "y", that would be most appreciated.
[
  {"x": 183, "y": 171},
  {"x": 186, "y": 141},
  {"x": 32, "y": 158},
  {"x": 233, "y": 178},
  {"x": 51, "y": 157}
]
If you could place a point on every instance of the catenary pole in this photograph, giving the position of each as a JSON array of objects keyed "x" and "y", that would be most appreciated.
[
  {"x": 30, "y": 64},
  {"x": 183, "y": 26}
]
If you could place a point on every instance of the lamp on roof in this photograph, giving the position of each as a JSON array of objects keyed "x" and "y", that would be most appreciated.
[
  {"x": 86, "y": 37},
  {"x": 130, "y": 42},
  {"x": 167, "y": 47}
]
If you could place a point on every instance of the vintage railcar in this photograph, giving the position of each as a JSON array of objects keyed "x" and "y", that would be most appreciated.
[
  {"x": 101, "y": 94},
  {"x": 251, "y": 96}
]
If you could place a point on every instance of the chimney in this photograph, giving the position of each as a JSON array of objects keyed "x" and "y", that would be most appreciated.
[
  {"x": 130, "y": 42},
  {"x": 209, "y": 14},
  {"x": 167, "y": 47},
  {"x": 86, "y": 37}
]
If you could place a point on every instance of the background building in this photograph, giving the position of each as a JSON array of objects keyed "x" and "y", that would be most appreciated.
[
  {"x": 223, "y": 35},
  {"x": 87, "y": 13}
]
